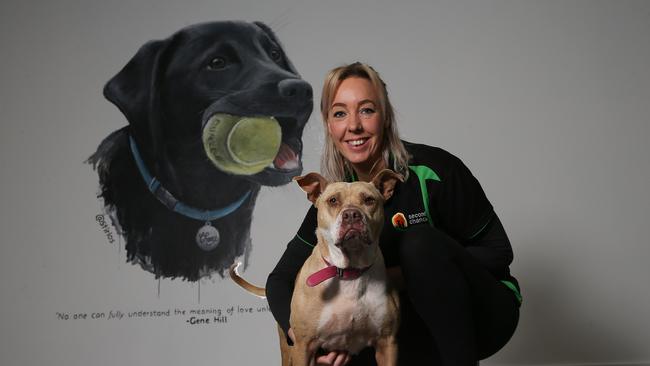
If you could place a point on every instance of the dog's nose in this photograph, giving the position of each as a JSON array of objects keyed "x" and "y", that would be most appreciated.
[
  {"x": 351, "y": 215},
  {"x": 295, "y": 88}
]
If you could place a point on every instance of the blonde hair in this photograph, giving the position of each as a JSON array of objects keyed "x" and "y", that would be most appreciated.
[{"x": 333, "y": 165}]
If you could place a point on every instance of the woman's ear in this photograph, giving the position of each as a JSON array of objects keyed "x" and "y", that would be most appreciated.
[{"x": 329, "y": 128}]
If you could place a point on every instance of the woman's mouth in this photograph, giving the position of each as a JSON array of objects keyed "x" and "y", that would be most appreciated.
[{"x": 356, "y": 143}]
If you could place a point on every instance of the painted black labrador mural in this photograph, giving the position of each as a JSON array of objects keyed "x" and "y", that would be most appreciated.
[{"x": 214, "y": 112}]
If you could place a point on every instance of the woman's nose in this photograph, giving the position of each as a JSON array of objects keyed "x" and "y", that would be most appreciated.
[{"x": 354, "y": 123}]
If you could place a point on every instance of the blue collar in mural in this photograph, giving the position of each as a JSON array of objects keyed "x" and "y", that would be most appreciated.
[{"x": 207, "y": 238}]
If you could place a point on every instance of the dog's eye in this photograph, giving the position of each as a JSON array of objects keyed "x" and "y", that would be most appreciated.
[
  {"x": 276, "y": 55},
  {"x": 333, "y": 201},
  {"x": 369, "y": 200},
  {"x": 217, "y": 63}
]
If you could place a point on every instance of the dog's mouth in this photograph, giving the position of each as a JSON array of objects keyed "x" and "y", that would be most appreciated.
[
  {"x": 287, "y": 158},
  {"x": 353, "y": 238},
  {"x": 265, "y": 148}
]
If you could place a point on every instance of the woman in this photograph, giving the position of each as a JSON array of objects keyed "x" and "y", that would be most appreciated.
[{"x": 444, "y": 246}]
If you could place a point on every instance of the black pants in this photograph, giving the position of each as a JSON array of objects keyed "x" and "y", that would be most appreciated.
[{"x": 454, "y": 312}]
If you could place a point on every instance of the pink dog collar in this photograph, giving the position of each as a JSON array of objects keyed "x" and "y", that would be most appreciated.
[{"x": 332, "y": 271}]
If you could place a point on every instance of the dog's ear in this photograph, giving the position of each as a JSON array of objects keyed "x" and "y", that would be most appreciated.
[
  {"x": 385, "y": 182},
  {"x": 134, "y": 90},
  {"x": 313, "y": 184},
  {"x": 275, "y": 39}
]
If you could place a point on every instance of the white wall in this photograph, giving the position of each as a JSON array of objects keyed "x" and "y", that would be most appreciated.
[{"x": 546, "y": 102}]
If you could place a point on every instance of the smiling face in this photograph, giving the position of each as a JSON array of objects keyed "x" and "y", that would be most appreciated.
[{"x": 355, "y": 124}]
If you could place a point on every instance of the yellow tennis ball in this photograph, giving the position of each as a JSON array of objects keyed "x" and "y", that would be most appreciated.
[
  {"x": 242, "y": 145},
  {"x": 254, "y": 141}
]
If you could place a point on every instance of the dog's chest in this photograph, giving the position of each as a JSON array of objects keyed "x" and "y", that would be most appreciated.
[{"x": 354, "y": 318}]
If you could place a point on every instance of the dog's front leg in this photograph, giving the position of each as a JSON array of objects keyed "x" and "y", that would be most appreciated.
[
  {"x": 386, "y": 351},
  {"x": 285, "y": 349},
  {"x": 303, "y": 354}
]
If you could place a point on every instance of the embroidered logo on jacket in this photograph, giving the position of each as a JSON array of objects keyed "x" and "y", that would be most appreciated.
[
  {"x": 417, "y": 218},
  {"x": 399, "y": 221}
]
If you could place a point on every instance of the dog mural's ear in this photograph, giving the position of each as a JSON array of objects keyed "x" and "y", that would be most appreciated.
[
  {"x": 313, "y": 184},
  {"x": 134, "y": 90},
  {"x": 385, "y": 182},
  {"x": 275, "y": 39},
  {"x": 130, "y": 90}
]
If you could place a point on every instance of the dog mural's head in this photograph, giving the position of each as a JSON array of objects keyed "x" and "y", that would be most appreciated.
[
  {"x": 350, "y": 215},
  {"x": 226, "y": 83},
  {"x": 171, "y": 88}
]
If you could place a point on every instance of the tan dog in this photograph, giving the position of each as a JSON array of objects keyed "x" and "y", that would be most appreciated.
[{"x": 341, "y": 300}]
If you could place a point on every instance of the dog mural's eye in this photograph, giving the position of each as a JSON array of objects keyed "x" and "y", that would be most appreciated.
[
  {"x": 217, "y": 63},
  {"x": 369, "y": 201},
  {"x": 276, "y": 55}
]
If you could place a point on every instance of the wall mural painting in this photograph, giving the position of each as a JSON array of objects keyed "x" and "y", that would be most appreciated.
[{"x": 214, "y": 112}]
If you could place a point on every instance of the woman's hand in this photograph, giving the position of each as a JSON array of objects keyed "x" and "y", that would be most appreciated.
[{"x": 334, "y": 358}]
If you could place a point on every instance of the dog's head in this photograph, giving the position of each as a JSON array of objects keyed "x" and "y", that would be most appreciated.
[
  {"x": 171, "y": 88},
  {"x": 350, "y": 215}
]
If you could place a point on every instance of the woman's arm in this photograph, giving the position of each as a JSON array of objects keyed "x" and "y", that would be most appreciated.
[
  {"x": 492, "y": 248},
  {"x": 279, "y": 285}
]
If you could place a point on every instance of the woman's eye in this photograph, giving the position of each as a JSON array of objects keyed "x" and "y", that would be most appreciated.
[
  {"x": 276, "y": 55},
  {"x": 217, "y": 63},
  {"x": 367, "y": 111},
  {"x": 338, "y": 114}
]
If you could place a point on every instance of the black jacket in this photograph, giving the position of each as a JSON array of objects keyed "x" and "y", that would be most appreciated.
[{"x": 440, "y": 191}]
